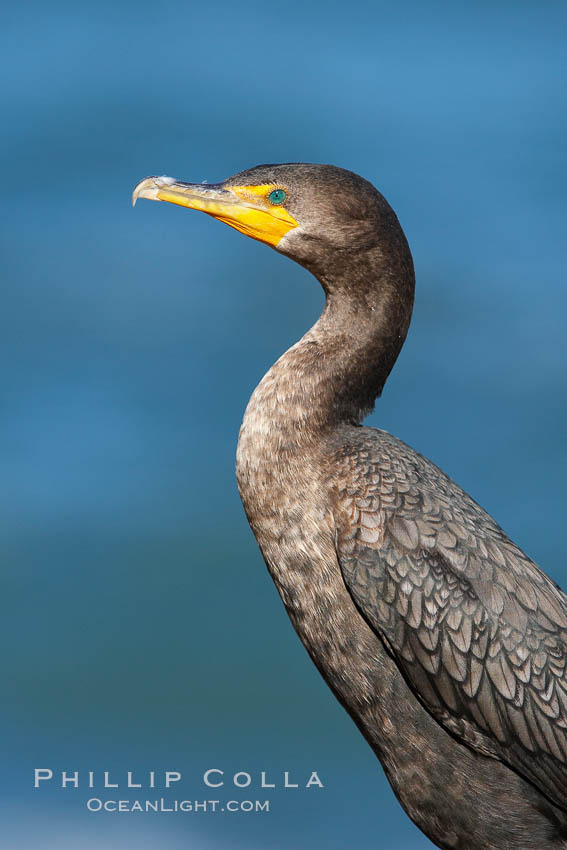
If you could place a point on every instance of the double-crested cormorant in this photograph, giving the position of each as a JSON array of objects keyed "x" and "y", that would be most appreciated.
[{"x": 443, "y": 641}]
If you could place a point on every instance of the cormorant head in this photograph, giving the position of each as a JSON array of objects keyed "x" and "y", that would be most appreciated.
[{"x": 319, "y": 215}]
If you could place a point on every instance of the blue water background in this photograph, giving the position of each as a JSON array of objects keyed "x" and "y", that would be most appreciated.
[{"x": 140, "y": 628}]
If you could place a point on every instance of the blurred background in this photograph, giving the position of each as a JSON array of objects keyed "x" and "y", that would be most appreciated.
[{"x": 141, "y": 629}]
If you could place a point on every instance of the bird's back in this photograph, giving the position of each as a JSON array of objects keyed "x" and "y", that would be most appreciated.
[{"x": 475, "y": 627}]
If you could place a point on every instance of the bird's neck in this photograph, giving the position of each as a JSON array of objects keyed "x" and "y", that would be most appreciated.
[{"x": 334, "y": 374}]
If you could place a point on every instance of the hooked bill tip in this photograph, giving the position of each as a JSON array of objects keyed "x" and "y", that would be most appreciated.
[{"x": 149, "y": 188}]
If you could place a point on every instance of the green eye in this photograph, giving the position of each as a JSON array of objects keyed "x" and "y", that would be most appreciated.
[{"x": 277, "y": 196}]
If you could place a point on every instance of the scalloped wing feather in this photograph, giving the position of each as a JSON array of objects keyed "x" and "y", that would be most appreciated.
[{"x": 477, "y": 629}]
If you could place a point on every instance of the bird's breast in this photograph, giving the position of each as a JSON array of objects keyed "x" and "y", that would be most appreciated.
[{"x": 288, "y": 503}]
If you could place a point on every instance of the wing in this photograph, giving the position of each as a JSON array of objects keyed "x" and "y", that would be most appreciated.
[{"x": 477, "y": 629}]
